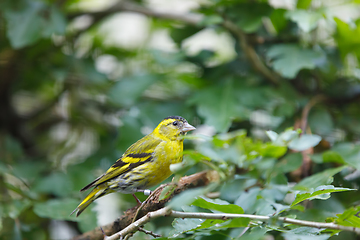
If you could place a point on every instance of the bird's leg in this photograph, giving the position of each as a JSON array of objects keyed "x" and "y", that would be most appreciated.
[
  {"x": 137, "y": 200},
  {"x": 146, "y": 192},
  {"x": 104, "y": 234},
  {"x": 141, "y": 206}
]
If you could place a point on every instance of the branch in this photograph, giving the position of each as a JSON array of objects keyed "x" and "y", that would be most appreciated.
[
  {"x": 306, "y": 110},
  {"x": 135, "y": 226},
  {"x": 148, "y": 232},
  {"x": 167, "y": 212},
  {"x": 251, "y": 54},
  {"x": 305, "y": 169},
  {"x": 154, "y": 208},
  {"x": 151, "y": 204},
  {"x": 302, "y": 123},
  {"x": 193, "y": 19}
]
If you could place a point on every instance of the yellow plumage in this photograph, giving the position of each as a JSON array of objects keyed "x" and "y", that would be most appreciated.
[{"x": 144, "y": 164}]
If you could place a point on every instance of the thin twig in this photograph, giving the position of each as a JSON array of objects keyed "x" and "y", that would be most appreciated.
[
  {"x": 143, "y": 204},
  {"x": 305, "y": 169},
  {"x": 135, "y": 225},
  {"x": 306, "y": 110},
  {"x": 243, "y": 232},
  {"x": 149, "y": 232},
  {"x": 167, "y": 212},
  {"x": 251, "y": 54}
]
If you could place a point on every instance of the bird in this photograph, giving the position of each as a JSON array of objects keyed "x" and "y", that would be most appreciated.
[{"x": 144, "y": 164}]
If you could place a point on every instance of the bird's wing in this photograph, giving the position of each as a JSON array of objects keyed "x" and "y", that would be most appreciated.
[{"x": 136, "y": 155}]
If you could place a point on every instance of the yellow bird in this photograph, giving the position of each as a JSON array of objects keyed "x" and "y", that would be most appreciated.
[{"x": 144, "y": 164}]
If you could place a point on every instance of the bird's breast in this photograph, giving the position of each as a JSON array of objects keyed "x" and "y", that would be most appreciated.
[{"x": 165, "y": 154}]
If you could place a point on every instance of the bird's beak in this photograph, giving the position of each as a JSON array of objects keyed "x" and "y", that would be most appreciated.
[{"x": 187, "y": 127}]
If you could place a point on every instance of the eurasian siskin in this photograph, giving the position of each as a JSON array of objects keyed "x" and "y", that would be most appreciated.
[{"x": 144, "y": 164}]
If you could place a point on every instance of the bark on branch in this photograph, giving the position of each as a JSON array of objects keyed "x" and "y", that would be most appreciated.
[{"x": 152, "y": 204}]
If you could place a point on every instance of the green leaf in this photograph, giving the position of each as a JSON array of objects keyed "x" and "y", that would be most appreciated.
[
  {"x": 272, "y": 135},
  {"x": 271, "y": 150},
  {"x": 234, "y": 223},
  {"x": 278, "y": 19},
  {"x": 305, "y": 141},
  {"x": 211, "y": 20},
  {"x": 306, "y": 20},
  {"x": 346, "y": 41},
  {"x": 88, "y": 222},
  {"x": 167, "y": 59},
  {"x": 255, "y": 233},
  {"x": 29, "y": 21},
  {"x": 217, "y": 105},
  {"x": 348, "y": 153},
  {"x": 210, "y": 223},
  {"x": 285, "y": 137},
  {"x": 188, "y": 196},
  {"x": 57, "y": 183},
  {"x": 320, "y": 121},
  {"x": 318, "y": 179},
  {"x": 317, "y": 158},
  {"x": 331, "y": 156},
  {"x": 180, "y": 34},
  {"x": 294, "y": 236},
  {"x": 307, "y": 230},
  {"x": 289, "y": 163},
  {"x": 217, "y": 224},
  {"x": 289, "y": 59},
  {"x": 196, "y": 156},
  {"x": 286, "y": 109},
  {"x": 59, "y": 209},
  {"x": 189, "y": 224},
  {"x": 303, "y": 4},
  {"x": 247, "y": 200},
  {"x": 251, "y": 15},
  {"x": 128, "y": 90},
  {"x": 14, "y": 208},
  {"x": 89, "y": 71},
  {"x": 350, "y": 217},
  {"x": 218, "y": 205},
  {"x": 321, "y": 192},
  {"x": 353, "y": 158},
  {"x": 28, "y": 170},
  {"x": 185, "y": 225}
]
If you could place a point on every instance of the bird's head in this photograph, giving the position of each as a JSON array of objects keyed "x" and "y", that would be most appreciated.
[{"x": 173, "y": 126}]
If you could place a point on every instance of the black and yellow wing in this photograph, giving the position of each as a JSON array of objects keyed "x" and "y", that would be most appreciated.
[{"x": 137, "y": 154}]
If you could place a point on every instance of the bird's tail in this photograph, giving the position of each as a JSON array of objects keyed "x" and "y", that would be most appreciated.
[{"x": 97, "y": 192}]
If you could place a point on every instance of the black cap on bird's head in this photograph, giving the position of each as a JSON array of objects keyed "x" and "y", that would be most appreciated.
[
  {"x": 176, "y": 117},
  {"x": 181, "y": 122},
  {"x": 174, "y": 126}
]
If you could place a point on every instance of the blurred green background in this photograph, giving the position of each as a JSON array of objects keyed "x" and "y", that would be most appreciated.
[{"x": 81, "y": 80}]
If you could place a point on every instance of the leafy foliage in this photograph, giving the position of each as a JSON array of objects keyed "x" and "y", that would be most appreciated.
[{"x": 273, "y": 91}]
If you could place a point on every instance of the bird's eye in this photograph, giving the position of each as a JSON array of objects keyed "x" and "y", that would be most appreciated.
[{"x": 175, "y": 123}]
